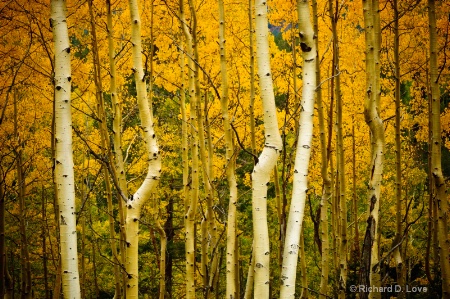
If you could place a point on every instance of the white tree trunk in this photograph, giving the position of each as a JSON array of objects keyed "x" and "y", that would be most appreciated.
[
  {"x": 302, "y": 157},
  {"x": 231, "y": 264},
  {"x": 268, "y": 158},
  {"x": 136, "y": 201},
  {"x": 64, "y": 174}
]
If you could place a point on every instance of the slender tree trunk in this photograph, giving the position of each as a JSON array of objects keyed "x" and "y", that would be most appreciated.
[
  {"x": 206, "y": 220},
  {"x": 355, "y": 198},
  {"x": 117, "y": 141},
  {"x": 333, "y": 211},
  {"x": 191, "y": 204},
  {"x": 251, "y": 266},
  {"x": 57, "y": 284},
  {"x": 64, "y": 174},
  {"x": 44, "y": 242},
  {"x": 212, "y": 227},
  {"x": 370, "y": 270},
  {"x": 279, "y": 212},
  {"x": 326, "y": 191},
  {"x": 169, "y": 231},
  {"x": 304, "y": 273},
  {"x": 303, "y": 152},
  {"x": 340, "y": 161},
  {"x": 441, "y": 200},
  {"x": 184, "y": 142},
  {"x": 268, "y": 157},
  {"x": 398, "y": 170},
  {"x": 142, "y": 195},
  {"x": 232, "y": 267},
  {"x": 94, "y": 244}
]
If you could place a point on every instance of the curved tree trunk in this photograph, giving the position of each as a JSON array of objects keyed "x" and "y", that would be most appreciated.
[
  {"x": 142, "y": 195},
  {"x": 64, "y": 174},
  {"x": 303, "y": 152}
]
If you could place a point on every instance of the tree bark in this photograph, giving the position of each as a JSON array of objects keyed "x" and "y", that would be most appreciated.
[
  {"x": 232, "y": 255},
  {"x": 340, "y": 158},
  {"x": 142, "y": 195},
  {"x": 191, "y": 203},
  {"x": 440, "y": 195},
  {"x": 303, "y": 152},
  {"x": 370, "y": 270},
  {"x": 251, "y": 267},
  {"x": 398, "y": 170},
  {"x": 326, "y": 191},
  {"x": 268, "y": 157},
  {"x": 64, "y": 173}
]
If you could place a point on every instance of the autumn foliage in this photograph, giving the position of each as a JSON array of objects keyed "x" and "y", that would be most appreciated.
[{"x": 189, "y": 97}]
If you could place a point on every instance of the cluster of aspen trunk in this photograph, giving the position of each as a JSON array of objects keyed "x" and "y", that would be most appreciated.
[{"x": 212, "y": 264}]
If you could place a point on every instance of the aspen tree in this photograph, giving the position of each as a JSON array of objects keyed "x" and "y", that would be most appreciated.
[
  {"x": 303, "y": 151},
  {"x": 398, "y": 169},
  {"x": 58, "y": 276},
  {"x": 370, "y": 270},
  {"x": 191, "y": 204},
  {"x": 142, "y": 195},
  {"x": 441, "y": 199},
  {"x": 119, "y": 166},
  {"x": 326, "y": 191},
  {"x": 64, "y": 174},
  {"x": 231, "y": 260},
  {"x": 355, "y": 198},
  {"x": 340, "y": 160},
  {"x": 184, "y": 141},
  {"x": 251, "y": 266},
  {"x": 209, "y": 198},
  {"x": 212, "y": 227},
  {"x": 267, "y": 159}
]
